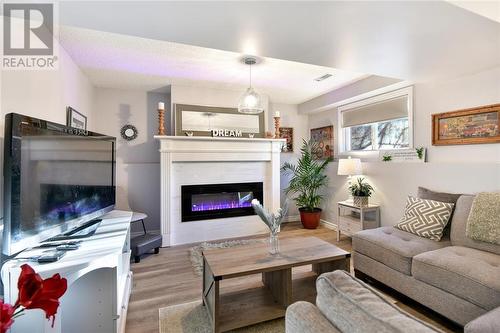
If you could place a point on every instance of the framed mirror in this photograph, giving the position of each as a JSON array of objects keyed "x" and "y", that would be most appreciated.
[{"x": 201, "y": 120}]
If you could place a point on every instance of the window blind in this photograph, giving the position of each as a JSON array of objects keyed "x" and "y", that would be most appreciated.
[{"x": 381, "y": 111}]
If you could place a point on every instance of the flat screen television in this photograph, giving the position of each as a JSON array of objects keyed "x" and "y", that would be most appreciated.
[{"x": 56, "y": 179}]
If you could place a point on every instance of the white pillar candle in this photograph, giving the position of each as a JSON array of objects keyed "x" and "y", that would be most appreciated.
[
  {"x": 161, "y": 106},
  {"x": 277, "y": 114}
]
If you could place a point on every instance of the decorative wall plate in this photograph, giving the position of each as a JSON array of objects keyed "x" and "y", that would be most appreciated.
[{"x": 129, "y": 132}]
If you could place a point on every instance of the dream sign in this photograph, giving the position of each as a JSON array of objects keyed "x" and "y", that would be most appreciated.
[{"x": 226, "y": 133}]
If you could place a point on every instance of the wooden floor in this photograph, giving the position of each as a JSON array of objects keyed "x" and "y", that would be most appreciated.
[{"x": 168, "y": 279}]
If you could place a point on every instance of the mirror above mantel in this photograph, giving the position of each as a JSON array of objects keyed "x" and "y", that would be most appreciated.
[{"x": 200, "y": 120}]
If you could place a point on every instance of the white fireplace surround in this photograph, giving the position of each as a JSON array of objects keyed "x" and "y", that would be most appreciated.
[{"x": 206, "y": 160}]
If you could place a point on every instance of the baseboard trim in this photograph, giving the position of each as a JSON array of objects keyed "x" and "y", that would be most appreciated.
[{"x": 328, "y": 224}]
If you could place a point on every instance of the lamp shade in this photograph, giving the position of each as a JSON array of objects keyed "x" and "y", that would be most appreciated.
[
  {"x": 250, "y": 102},
  {"x": 349, "y": 167}
]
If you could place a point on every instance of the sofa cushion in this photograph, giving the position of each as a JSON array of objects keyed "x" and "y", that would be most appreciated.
[
  {"x": 425, "y": 193},
  {"x": 487, "y": 323},
  {"x": 354, "y": 307},
  {"x": 459, "y": 224},
  {"x": 304, "y": 317},
  {"x": 467, "y": 273},
  {"x": 393, "y": 247},
  {"x": 425, "y": 218}
]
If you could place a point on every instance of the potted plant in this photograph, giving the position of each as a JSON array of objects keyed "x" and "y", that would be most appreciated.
[
  {"x": 307, "y": 178},
  {"x": 361, "y": 191}
]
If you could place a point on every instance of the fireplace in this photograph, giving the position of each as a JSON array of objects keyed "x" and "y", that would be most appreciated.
[{"x": 213, "y": 201}]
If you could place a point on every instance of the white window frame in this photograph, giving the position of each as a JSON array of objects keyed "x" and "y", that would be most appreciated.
[{"x": 343, "y": 133}]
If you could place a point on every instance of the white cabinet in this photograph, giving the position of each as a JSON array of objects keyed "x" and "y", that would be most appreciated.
[
  {"x": 352, "y": 219},
  {"x": 99, "y": 282}
]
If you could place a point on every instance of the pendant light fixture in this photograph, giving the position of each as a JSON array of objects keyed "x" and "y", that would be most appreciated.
[{"x": 250, "y": 102}]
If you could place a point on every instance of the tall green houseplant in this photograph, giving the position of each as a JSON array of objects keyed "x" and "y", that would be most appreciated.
[{"x": 307, "y": 178}]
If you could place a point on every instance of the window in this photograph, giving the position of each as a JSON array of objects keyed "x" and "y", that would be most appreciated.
[
  {"x": 392, "y": 134},
  {"x": 378, "y": 123}
]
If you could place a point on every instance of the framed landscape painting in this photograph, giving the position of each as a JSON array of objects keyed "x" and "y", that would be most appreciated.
[
  {"x": 287, "y": 133},
  {"x": 324, "y": 137},
  {"x": 469, "y": 126}
]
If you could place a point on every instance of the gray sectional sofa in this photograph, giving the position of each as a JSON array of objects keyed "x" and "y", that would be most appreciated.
[
  {"x": 347, "y": 305},
  {"x": 457, "y": 277}
]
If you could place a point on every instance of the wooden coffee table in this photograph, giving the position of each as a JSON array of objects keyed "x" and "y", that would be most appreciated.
[{"x": 250, "y": 306}]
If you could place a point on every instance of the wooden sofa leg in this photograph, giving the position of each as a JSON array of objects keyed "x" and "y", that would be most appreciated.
[
  {"x": 137, "y": 259},
  {"x": 157, "y": 250}
]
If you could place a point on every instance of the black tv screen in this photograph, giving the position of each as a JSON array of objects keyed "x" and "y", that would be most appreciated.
[{"x": 57, "y": 178}]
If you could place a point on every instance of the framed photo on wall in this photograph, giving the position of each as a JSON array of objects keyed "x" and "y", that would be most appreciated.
[
  {"x": 324, "y": 137},
  {"x": 287, "y": 133},
  {"x": 468, "y": 126},
  {"x": 75, "y": 119}
]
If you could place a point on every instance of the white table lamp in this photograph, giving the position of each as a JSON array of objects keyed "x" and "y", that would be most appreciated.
[{"x": 349, "y": 167}]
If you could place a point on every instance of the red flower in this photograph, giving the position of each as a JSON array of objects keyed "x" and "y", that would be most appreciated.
[
  {"x": 36, "y": 293},
  {"x": 6, "y": 312}
]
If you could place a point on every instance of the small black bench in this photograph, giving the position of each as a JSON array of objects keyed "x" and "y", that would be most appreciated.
[{"x": 143, "y": 244}]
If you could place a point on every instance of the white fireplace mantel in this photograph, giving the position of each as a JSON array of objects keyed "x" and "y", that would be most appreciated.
[{"x": 206, "y": 160}]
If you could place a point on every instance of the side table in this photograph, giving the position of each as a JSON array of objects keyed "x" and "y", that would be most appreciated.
[{"x": 352, "y": 219}]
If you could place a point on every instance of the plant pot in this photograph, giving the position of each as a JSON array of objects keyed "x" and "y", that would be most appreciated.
[
  {"x": 360, "y": 201},
  {"x": 310, "y": 219}
]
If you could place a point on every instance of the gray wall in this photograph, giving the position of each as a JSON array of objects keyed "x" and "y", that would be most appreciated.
[{"x": 138, "y": 161}]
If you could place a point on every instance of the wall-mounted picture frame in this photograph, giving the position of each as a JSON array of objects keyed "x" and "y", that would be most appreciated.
[
  {"x": 75, "y": 119},
  {"x": 287, "y": 133},
  {"x": 323, "y": 136},
  {"x": 465, "y": 127}
]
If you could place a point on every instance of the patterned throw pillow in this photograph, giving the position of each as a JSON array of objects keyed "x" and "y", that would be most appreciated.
[{"x": 425, "y": 218}]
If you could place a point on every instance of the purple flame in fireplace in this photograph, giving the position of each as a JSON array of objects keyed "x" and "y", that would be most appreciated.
[{"x": 207, "y": 202}]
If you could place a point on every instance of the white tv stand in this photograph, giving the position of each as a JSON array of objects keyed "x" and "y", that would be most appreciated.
[{"x": 99, "y": 282}]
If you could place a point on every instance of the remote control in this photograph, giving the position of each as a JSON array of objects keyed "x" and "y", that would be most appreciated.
[
  {"x": 67, "y": 247},
  {"x": 56, "y": 244},
  {"x": 50, "y": 256}
]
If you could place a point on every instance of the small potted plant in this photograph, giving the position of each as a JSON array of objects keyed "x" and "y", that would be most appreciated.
[
  {"x": 361, "y": 191},
  {"x": 307, "y": 178}
]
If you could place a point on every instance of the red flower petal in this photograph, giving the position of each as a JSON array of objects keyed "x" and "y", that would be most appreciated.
[
  {"x": 54, "y": 287},
  {"x": 36, "y": 293},
  {"x": 6, "y": 312}
]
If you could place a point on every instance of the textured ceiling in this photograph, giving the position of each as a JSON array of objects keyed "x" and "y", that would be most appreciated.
[
  {"x": 127, "y": 62},
  {"x": 409, "y": 40}
]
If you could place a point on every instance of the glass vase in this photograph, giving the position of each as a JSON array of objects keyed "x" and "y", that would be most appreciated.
[{"x": 274, "y": 243}]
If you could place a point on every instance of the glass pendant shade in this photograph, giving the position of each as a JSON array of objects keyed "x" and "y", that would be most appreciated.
[{"x": 250, "y": 102}]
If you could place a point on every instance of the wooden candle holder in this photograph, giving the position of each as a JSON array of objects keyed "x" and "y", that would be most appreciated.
[
  {"x": 161, "y": 121},
  {"x": 276, "y": 127}
]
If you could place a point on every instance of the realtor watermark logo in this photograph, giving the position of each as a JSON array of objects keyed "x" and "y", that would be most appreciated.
[{"x": 28, "y": 36}]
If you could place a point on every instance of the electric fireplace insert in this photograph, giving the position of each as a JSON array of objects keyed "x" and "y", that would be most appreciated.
[{"x": 212, "y": 201}]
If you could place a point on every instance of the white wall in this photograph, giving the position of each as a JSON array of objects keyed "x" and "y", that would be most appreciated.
[
  {"x": 45, "y": 94},
  {"x": 327, "y": 100},
  {"x": 138, "y": 161},
  {"x": 290, "y": 118},
  {"x": 460, "y": 169},
  {"x": 466, "y": 92}
]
